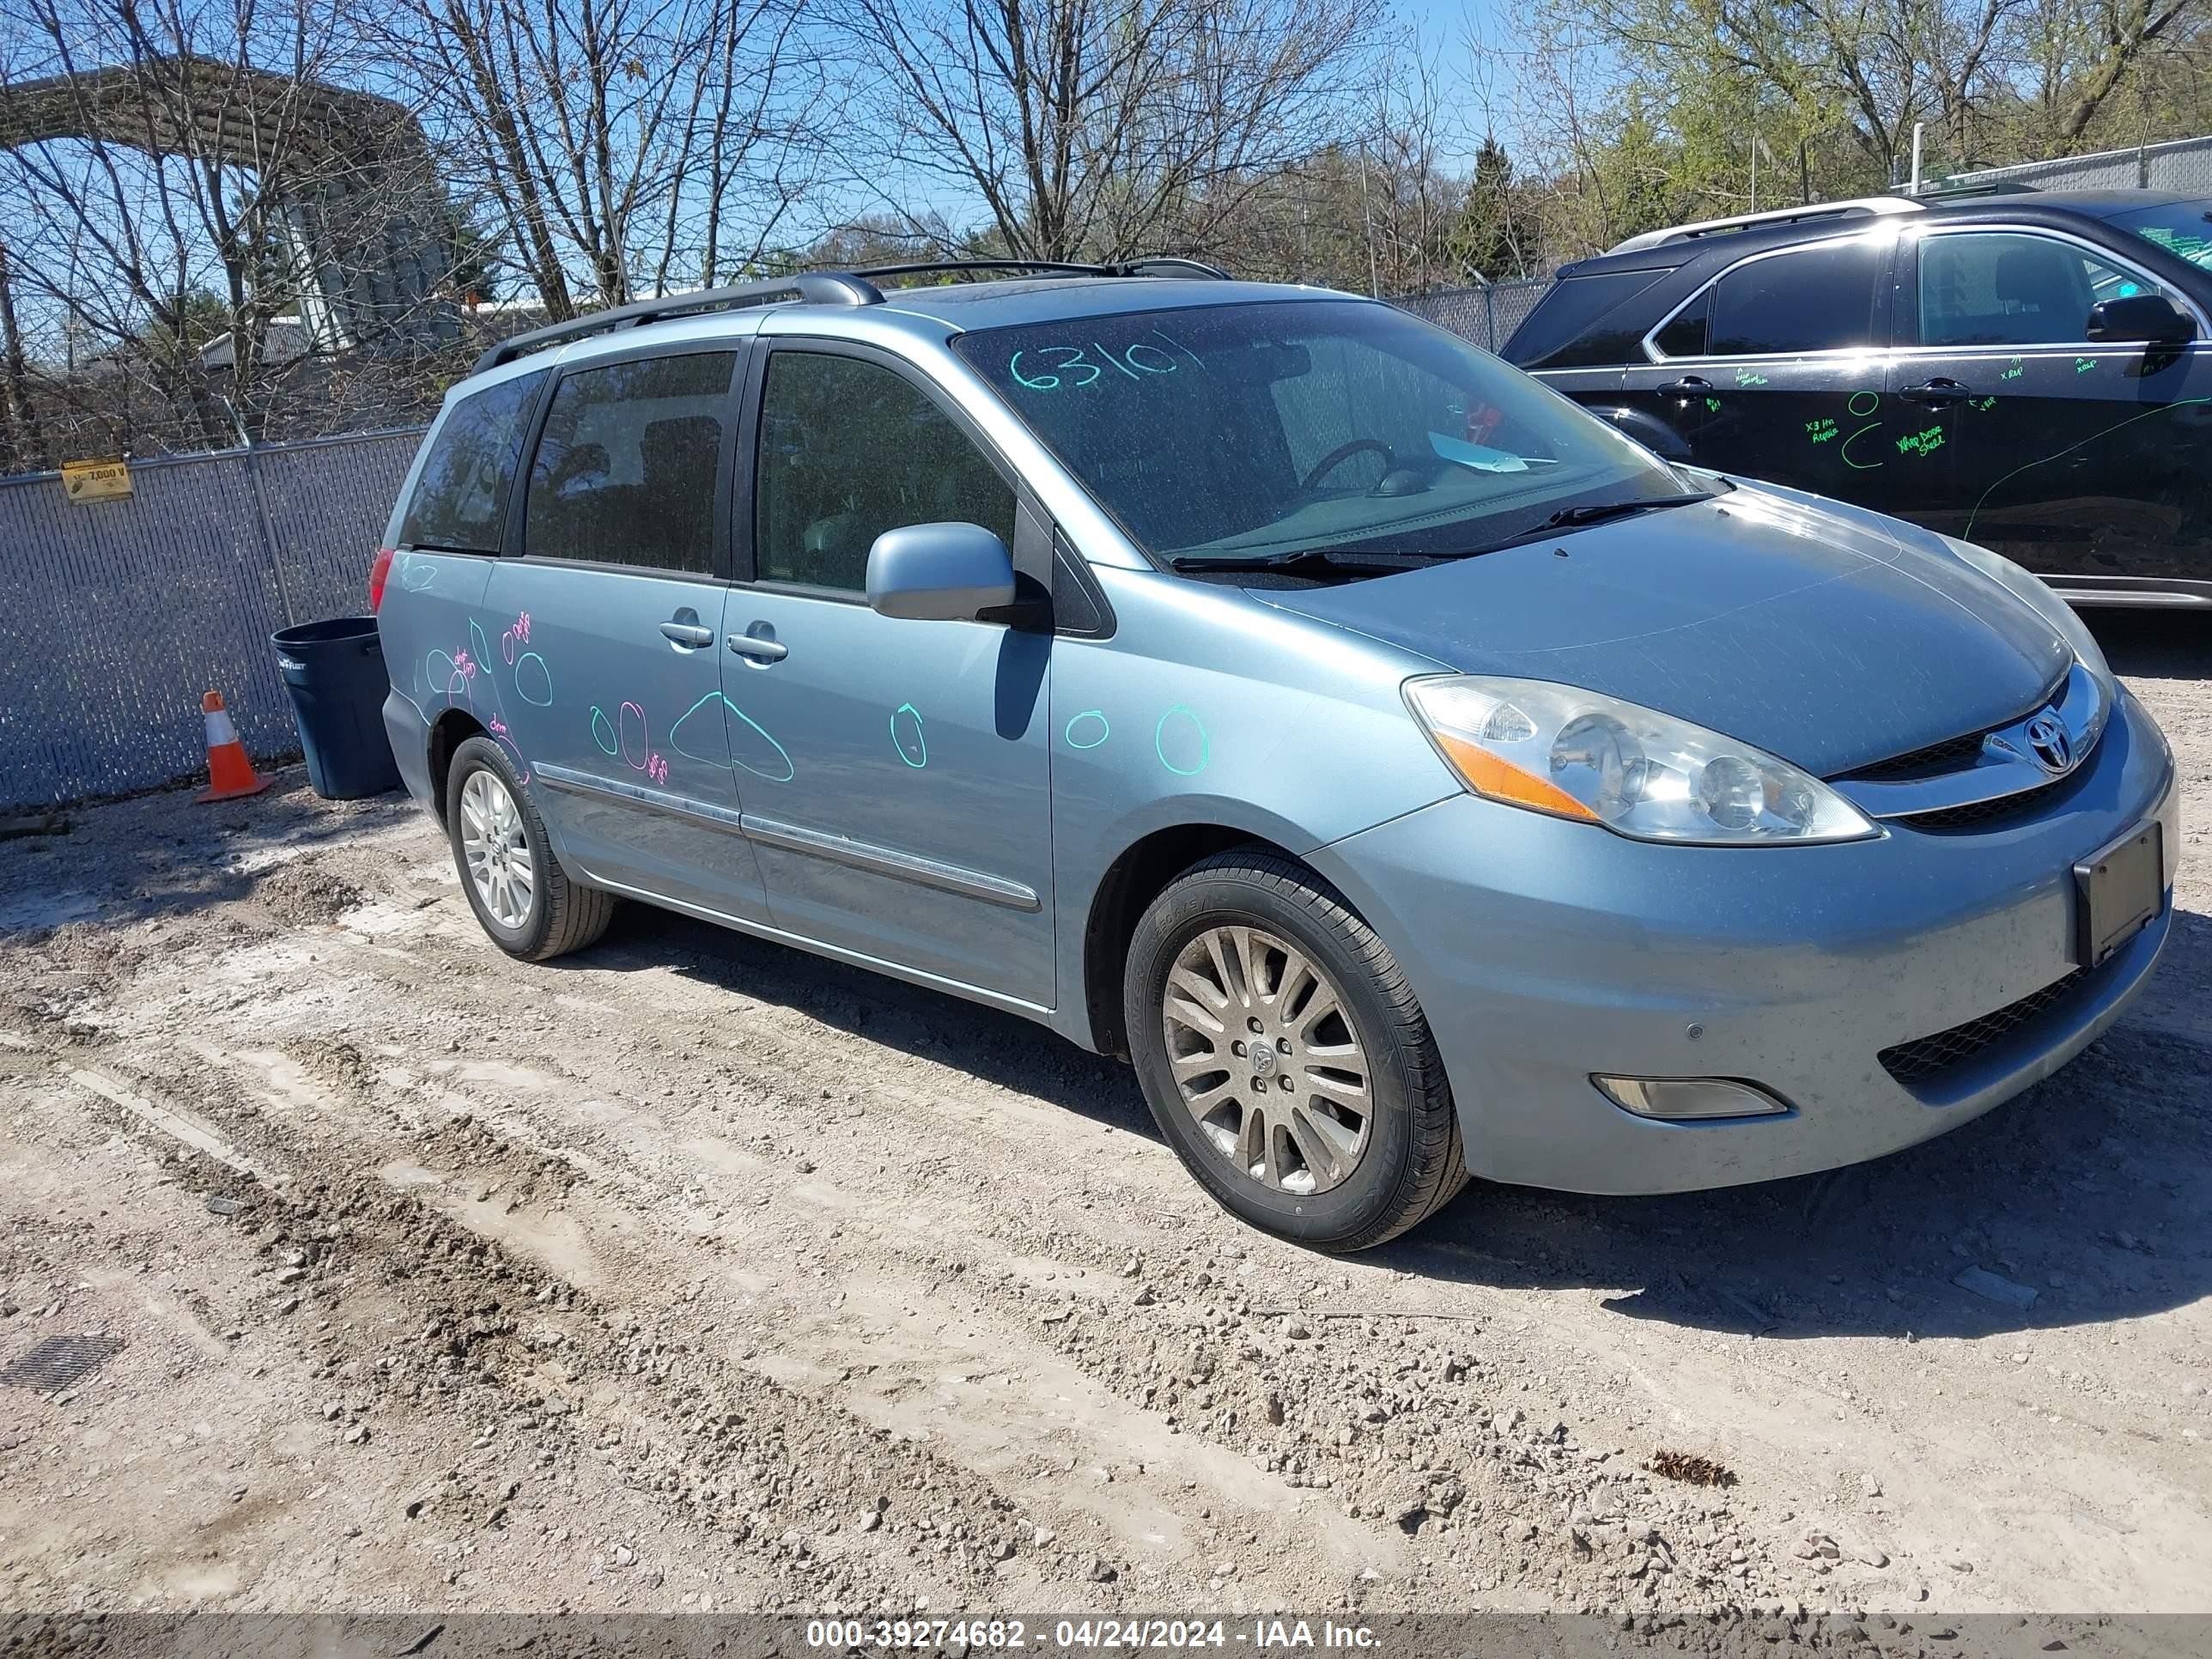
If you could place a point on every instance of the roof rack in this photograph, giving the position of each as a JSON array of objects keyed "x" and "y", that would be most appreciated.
[
  {"x": 1945, "y": 190},
  {"x": 818, "y": 288},
  {"x": 1154, "y": 265},
  {"x": 831, "y": 287},
  {"x": 1866, "y": 205}
]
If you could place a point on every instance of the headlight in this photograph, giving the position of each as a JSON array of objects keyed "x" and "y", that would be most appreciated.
[
  {"x": 2045, "y": 603},
  {"x": 1581, "y": 755}
]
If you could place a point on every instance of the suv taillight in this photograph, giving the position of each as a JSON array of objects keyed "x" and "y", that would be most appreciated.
[{"x": 379, "y": 567}]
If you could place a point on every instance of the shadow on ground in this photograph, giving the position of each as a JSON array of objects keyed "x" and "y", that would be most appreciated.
[{"x": 2093, "y": 1189}]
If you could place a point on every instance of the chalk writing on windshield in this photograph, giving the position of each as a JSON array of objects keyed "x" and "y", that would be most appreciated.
[{"x": 1054, "y": 367}]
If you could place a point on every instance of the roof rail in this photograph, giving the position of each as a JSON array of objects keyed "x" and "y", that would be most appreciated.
[
  {"x": 1155, "y": 266},
  {"x": 1870, "y": 204},
  {"x": 818, "y": 287}
]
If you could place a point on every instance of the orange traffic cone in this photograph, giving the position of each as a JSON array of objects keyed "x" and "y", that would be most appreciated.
[{"x": 230, "y": 774}]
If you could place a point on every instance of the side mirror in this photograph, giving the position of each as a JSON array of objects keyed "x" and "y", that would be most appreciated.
[
  {"x": 939, "y": 573},
  {"x": 2150, "y": 318}
]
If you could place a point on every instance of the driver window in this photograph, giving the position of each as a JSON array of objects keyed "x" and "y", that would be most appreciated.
[
  {"x": 2011, "y": 287},
  {"x": 848, "y": 449}
]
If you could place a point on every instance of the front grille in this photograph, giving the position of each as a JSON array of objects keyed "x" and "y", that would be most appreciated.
[
  {"x": 1925, "y": 1059},
  {"x": 1984, "y": 814},
  {"x": 1952, "y": 754}
]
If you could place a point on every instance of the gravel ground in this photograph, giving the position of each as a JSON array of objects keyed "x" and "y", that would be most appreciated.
[{"x": 692, "y": 1272}]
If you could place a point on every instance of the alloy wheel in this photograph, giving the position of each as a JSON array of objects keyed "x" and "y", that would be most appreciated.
[
  {"x": 496, "y": 849},
  {"x": 1267, "y": 1061}
]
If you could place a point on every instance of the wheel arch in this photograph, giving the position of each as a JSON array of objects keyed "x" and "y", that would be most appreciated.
[
  {"x": 1132, "y": 881},
  {"x": 447, "y": 732}
]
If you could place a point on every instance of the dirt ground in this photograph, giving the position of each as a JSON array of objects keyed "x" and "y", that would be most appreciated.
[{"x": 692, "y": 1272}]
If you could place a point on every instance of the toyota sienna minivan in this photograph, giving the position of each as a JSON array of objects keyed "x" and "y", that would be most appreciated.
[{"x": 1413, "y": 776}]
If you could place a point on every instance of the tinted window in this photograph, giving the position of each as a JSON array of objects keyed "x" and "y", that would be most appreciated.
[
  {"x": 2007, "y": 288},
  {"x": 2182, "y": 228},
  {"x": 848, "y": 449},
  {"x": 625, "y": 472},
  {"x": 460, "y": 499},
  {"x": 1685, "y": 335},
  {"x": 1240, "y": 429},
  {"x": 1817, "y": 299},
  {"x": 1585, "y": 320}
]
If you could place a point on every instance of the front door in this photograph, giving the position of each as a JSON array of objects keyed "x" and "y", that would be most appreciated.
[
  {"x": 897, "y": 772},
  {"x": 605, "y": 638},
  {"x": 2073, "y": 458},
  {"x": 1773, "y": 370}
]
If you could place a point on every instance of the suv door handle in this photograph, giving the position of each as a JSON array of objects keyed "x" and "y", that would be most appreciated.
[
  {"x": 1938, "y": 391},
  {"x": 688, "y": 635},
  {"x": 1690, "y": 385},
  {"x": 762, "y": 650}
]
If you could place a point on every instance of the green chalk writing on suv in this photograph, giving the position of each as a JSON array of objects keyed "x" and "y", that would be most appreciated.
[
  {"x": 2029, "y": 371},
  {"x": 1412, "y": 775}
]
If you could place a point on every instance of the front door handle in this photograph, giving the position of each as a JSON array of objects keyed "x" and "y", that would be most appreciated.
[
  {"x": 1690, "y": 385},
  {"x": 1936, "y": 393},
  {"x": 689, "y": 635},
  {"x": 760, "y": 649}
]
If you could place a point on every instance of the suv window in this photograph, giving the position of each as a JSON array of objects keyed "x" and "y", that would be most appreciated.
[
  {"x": 2012, "y": 287},
  {"x": 1563, "y": 332},
  {"x": 1814, "y": 299},
  {"x": 459, "y": 504},
  {"x": 849, "y": 449},
  {"x": 625, "y": 471}
]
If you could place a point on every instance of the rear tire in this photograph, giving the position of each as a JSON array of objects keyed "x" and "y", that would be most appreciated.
[
  {"x": 521, "y": 897},
  {"x": 1284, "y": 1057}
]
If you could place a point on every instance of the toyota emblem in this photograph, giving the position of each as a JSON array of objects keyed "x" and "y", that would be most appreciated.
[{"x": 2051, "y": 745}]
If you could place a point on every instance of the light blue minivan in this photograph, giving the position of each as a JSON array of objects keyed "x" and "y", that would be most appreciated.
[{"x": 1410, "y": 774}]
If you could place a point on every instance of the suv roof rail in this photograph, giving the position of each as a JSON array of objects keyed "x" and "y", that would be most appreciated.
[
  {"x": 833, "y": 288},
  {"x": 818, "y": 287},
  {"x": 1162, "y": 264},
  {"x": 1870, "y": 204}
]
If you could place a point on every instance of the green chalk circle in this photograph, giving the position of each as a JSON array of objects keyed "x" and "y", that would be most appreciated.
[
  {"x": 1086, "y": 721},
  {"x": 1185, "y": 733},
  {"x": 912, "y": 745},
  {"x": 1872, "y": 401}
]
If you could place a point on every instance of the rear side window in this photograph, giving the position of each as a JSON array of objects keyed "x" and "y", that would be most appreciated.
[
  {"x": 627, "y": 469},
  {"x": 848, "y": 449},
  {"x": 1815, "y": 299},
  {"x": 459, "y": 504},
  {"x": 1585, "y": 321}
]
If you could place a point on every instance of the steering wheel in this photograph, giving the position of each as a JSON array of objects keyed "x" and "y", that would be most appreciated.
[{"x": 1343, "y": 453}]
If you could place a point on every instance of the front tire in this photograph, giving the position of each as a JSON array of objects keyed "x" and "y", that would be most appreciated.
[
  {"x": 521, "y": 897},
  {"x": 1284, "y": 1057}
]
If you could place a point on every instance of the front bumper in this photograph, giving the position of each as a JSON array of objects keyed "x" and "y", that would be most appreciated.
[{"x": 1545, "y": 952}]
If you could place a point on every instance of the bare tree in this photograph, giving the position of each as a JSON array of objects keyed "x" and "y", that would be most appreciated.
[
  {"x": 1085, "y": 128},
  {"x": 620, "y": 145},
  {"x": 175, "y": 175}
]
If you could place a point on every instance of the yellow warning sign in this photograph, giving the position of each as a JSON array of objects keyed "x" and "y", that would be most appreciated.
[{"x": 95, "y": 481}]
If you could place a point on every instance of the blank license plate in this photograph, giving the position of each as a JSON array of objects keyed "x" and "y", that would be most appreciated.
[{"x": 2122, "y": 887}]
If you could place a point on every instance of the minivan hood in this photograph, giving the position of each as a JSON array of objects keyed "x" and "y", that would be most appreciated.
[{"x": 1810, "y": 631}]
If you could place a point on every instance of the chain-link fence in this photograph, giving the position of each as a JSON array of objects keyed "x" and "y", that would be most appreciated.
[
  {"x": 2184, "y": 165},
  {"x": 120, "y": 612},
  {"x": 1486, "y": 316}
]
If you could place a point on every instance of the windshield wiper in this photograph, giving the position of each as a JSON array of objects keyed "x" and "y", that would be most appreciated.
[
  {"x": 1315, "y": 562},
  {"x": 1575, "y": 517}
]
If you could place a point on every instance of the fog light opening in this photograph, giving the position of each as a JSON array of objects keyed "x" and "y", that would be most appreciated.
[{"x": 1679, "y": 1099}]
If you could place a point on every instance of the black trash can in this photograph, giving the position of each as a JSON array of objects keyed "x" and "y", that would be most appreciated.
[{"x": 335, "y": 671}]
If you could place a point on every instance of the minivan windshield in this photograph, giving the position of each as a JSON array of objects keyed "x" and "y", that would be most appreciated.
[
  {"x": 2182, "y": 228},
  {"x": 1243, "y": 431}
]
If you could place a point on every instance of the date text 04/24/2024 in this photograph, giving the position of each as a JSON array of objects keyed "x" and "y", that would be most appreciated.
[{"x": 1087, "y": 1635}]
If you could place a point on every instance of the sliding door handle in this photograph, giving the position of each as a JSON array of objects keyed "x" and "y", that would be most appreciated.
[{"x": 759, "y": 649}]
